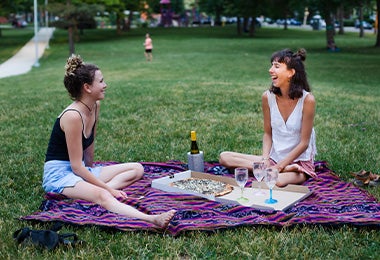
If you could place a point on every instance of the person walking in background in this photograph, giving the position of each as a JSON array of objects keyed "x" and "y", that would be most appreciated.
[
  {"x": 148, "y": 48},
  {"x": 69, "y": 159},
  {"x": 288, "y": 109}
]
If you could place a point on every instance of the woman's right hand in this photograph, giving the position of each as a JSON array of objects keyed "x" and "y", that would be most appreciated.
[
  {"x": 266, "y": 162},
  {"x": 118, "y": 194}
]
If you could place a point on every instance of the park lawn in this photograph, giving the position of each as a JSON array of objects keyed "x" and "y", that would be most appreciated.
[
  {"x": 12, "y": 40},
  {"x": 204, "y": 79}
]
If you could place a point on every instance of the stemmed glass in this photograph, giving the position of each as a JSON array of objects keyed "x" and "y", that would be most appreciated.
[
  {"x": 241, "y": 177},
  {"x": 271, "y": 179},
  {"x": 259, "y": 172}
]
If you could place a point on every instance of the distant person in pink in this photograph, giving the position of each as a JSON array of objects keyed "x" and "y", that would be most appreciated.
[{"x": 148, "y": 48}]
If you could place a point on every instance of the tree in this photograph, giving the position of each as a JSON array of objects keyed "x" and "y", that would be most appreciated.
[
  {"x": 249, "y": 10},
  {"x": 361, "y": 6},
  {"x": 10, "y": 8},
  {"x": 215, "y": 7},
  {"x": 377, "y": 24},
  {"x": 131, "y": 6},
  {"x": 340, "y": 16},
  {"x": 242, "y": 9},
  {"x": 328, "y": 8},
  {"x": 280, "y": 9},
  {"x": 285, "y": 9},
  {"x": 74, "y": 15}
]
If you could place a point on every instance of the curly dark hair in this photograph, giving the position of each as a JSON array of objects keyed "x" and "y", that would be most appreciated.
[
  {"x": 293, "y": 60},
  {"x": 77, "y": 73}
]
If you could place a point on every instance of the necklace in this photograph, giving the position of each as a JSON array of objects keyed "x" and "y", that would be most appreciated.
[{"x": 89, "y": 109}]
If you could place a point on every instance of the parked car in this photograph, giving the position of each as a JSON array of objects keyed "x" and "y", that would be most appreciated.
[
  {"x": 317, "y": 22},
  {"x": 291, "y": 21},
  {"x": 231, "y": 20},
  {"x": 282, "y": 22},
  {"x": 19, "y": 23},
  {"x": 366, "y": 25},
  {"x": 3, "y": 20},
  {"x": 295, "y": 22},
  {"x": 268, "y": 20}
]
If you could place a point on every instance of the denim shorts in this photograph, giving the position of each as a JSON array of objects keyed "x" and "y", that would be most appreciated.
[{"x": 59, "y": 175}]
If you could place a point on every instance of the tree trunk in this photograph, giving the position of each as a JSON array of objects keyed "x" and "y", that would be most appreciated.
[
  {"x": 118, "y": 24},
  {"x": 71, "y": 40},
  {"x": 361, "y": 31},
  {"x": 330, "y": 32},
  {"x": 340, "y": 19},
  {"x": 245, "y": 24},
  {"x": 127, "y": 25},
  {"x": 238, "y": 24},
  {"x": 286, "y": 20},
  {"x": 218, "y": 16},
  {"x": 70, "y": 33},
  {"x": 252, "y": 27},
  {"x": 377, "y": 24}
]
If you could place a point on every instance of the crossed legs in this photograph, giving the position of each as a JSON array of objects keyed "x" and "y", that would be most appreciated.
[{"x": 290, "y": 175}]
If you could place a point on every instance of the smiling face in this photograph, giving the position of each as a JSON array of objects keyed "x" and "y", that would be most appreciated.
[
  {"x": 288, "y": 73},
  {"x": 98, "y": 86},
  {"x": 280, "y": 74}
]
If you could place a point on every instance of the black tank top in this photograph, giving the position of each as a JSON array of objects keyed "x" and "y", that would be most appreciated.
[{"x": 57, "y": 147}]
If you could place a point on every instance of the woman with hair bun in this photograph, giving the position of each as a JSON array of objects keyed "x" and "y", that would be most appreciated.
[
  {"x": 68, "y": 165},
  {"x": 288, "y": 109}
]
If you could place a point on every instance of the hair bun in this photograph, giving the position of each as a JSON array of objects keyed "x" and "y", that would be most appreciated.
[
  {"x": 301, "y": 53},
  {"x": 72, "y": 64}
]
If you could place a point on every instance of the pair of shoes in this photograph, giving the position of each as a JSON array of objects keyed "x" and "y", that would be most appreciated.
[
  {"x": 363, "y": 178},
  {"x": 375, "y": 181},
  {"x": 48, "y": 239}
]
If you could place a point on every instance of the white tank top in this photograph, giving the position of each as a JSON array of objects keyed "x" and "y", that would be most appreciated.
[{"x": 286, "y": 135}]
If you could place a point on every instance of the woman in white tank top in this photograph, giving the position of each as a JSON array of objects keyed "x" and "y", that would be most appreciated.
[{"x": 288, "y": 109}]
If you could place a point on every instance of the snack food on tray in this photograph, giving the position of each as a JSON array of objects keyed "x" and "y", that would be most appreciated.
[{"x": 204, "y": 186}]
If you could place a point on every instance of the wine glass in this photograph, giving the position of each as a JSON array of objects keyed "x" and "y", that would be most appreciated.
[
  {"x": 259, "y": 172},
  {"x": 271, "y": 179},
  {"x": 241, "y": 177}
]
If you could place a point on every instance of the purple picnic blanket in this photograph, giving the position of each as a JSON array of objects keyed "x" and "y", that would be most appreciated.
[{"x": 332, "y": 202}]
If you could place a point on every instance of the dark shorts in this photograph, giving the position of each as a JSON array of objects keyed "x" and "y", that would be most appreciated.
[{"x": 148, "y": 50}]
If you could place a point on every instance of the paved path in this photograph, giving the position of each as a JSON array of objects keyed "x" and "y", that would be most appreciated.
[{"x": 25, "y": 58}]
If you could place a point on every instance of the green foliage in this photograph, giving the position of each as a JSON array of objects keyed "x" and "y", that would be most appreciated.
[
  {"x": 206, "y": 79},
  {"x": 80, "y": 15}
]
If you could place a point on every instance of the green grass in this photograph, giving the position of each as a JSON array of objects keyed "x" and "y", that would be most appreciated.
[
  {"x": 205, "y": 79},
  {"x": 12, "y": 40}
]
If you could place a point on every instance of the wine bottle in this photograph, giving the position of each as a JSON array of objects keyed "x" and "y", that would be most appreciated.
[{"x": 194, "y": 146}]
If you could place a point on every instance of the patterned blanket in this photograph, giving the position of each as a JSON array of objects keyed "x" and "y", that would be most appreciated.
[{"x": 333, "y": 202}]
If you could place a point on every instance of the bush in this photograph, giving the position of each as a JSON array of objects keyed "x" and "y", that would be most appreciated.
[
  {"x": 349, "y": 22},
  {"x": 89, "y": 23}
]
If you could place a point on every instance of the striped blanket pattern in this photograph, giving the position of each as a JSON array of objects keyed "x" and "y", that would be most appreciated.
[{"x": 333, "y": 202}]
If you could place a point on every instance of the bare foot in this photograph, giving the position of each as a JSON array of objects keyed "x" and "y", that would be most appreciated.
[{"x": 162, "y": 220}]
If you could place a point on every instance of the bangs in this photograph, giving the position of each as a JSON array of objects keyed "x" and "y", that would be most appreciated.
[{"x": 281, "y": 57}]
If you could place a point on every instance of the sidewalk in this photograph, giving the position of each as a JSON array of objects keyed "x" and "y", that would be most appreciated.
[{"x": 25, "y": 58}]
